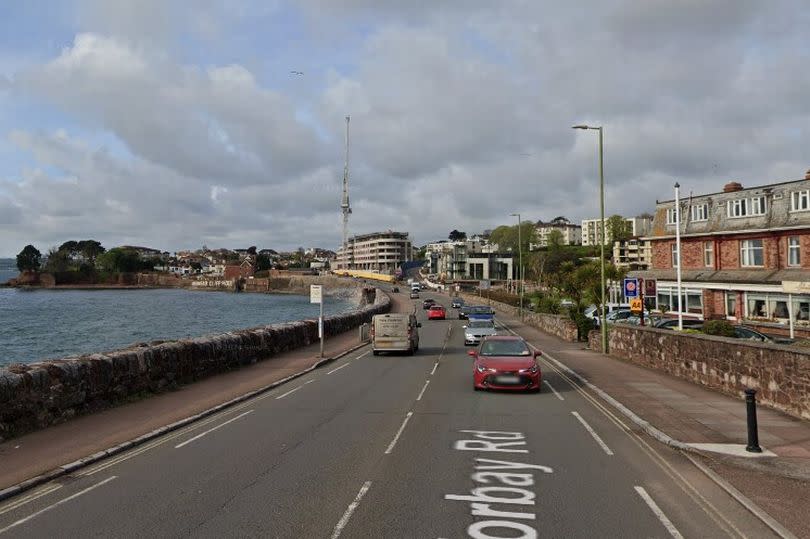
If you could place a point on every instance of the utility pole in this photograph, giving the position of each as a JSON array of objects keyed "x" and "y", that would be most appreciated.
[{"x": 344, "y": 204}]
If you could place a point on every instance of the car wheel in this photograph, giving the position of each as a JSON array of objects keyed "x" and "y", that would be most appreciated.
[
  {"x": 411, "y": 351},
  {"x": 375, "y": 353}
]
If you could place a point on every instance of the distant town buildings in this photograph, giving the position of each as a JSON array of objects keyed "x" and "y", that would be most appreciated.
[
  {"x": 592, "y": 229},
  {"x": 632, "y": 253},
  {"x": 571, "y": 233},
  {"x": 382, "y": 252},
  {"x": 745, "y": 255}
]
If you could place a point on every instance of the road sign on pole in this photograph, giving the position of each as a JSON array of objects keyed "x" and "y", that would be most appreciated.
[
  {"x": 316, "y": 296},
  {"x": 631, "y": 288},
  {"x": 649, "y": 288}
]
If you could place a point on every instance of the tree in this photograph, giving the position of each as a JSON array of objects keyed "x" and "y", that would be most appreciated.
[
  {"x": 29, "y": 258},
  {"x": 251, "y": 250},
  {"x": 555, "y": 239},
  {"x": 58, "y": 259},
  {"x": 455, "y": 235},
  {"x": 263, "y": 262},
  {"x": 118, "y": 260},
  {"x": 618, "y": 228},
  {"x": 90, "y": 249}
]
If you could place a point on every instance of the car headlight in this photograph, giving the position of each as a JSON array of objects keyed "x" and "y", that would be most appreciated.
[{"x": 533, "y": 369}]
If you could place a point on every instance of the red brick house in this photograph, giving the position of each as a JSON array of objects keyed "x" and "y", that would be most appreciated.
[
  {"x": 243, "y": 270},
  {"x": 745, "y": 255}
]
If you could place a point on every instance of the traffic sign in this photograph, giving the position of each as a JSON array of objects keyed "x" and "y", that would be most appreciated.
[
  {"x": 649, "y": 288},
  {"x": 631, "y": 288},
  {"x": 635, "y": 305},
  {"x": 315, "y": 293}
]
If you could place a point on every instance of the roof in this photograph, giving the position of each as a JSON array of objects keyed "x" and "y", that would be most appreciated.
[{"x": 761, "y": 276}]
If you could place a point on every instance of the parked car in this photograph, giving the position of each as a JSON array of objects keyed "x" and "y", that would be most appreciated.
[
  {"x": 476, "y": 330},
  {"x": 672, "y": 323},
  {"x": 394, "y": 332},
  {"x": 395, "y": 290},
  {"x": 457, "y": 303},
  {"x": 505, "y": 362},
  {"x": 427, "y": 303},
  {"x": 414, "y": 294},
  {"x": 436, "y": 312}
]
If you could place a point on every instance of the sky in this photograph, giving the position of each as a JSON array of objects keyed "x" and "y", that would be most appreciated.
[{"x": 178, "y": 124}]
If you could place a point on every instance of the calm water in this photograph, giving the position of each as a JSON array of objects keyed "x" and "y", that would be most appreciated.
[{"x": 39, "y": 324}]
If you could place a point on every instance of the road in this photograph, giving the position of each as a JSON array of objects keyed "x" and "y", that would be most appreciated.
[{"x": 392, "y": 446}]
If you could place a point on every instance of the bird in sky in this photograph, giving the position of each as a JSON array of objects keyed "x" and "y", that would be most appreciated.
[{"x": 297, "y": 72}]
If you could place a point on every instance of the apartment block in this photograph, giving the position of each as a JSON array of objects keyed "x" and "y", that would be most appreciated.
[
  {"x": 381, "y": 252},
  {"x": 571, "y": 233},
  {"x": 745, "y": 255},
  {"x": 592, "y": 229}
]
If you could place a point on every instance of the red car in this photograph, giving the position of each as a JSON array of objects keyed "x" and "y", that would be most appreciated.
[
  {"x": 506, "y": 362},
  {"x": 436, "y": 312}
]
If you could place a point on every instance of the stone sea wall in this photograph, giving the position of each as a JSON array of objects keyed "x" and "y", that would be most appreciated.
[
  {"x": 780, "y": 374},
  {"x": 36, "y": 395}
]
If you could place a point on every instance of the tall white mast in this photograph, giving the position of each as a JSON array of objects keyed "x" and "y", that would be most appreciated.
[{"x": 344, "y": 204}]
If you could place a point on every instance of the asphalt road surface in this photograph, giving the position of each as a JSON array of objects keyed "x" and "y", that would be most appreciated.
[{"x": 392, "y": 446}]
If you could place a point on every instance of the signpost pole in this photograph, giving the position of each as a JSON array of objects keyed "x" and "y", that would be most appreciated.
[
  {"x": 320, "y": 326},
  {"x": 641, "y": 295}
]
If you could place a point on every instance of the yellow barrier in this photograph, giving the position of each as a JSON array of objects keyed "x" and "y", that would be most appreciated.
[{"x": 366, "y": 275}]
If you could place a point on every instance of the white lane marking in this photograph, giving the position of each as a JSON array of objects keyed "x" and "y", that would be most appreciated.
[
  {"x": 200, "y": 435},
  {"x": 434, "y": 368},
  {"x": 554, "y": 390},
  {"x": 335, "y": 370},
  {"x": 673, "y": 531},
  {"x": 423, "y": 390},
  {"x": 290, "y": 392},
  {"x": 364, "y": 354},
  {"x": 399, "y": 433},
  {"x": 352, "y": 506},
  {"x": 592, "y": 432},
  {"x": 29, "y": 498},
  {"x": 55, "y": 505}
]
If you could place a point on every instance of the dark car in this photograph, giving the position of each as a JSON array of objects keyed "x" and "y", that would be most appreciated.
[
  {"x": 457, "y": 303},
  {"x": 463, "y": 311},
  {"x": 672, "y": 323},
  {"x": 505, "y": 362},
  {"x": 427, "y": 303},
  {"x": 395, "y": 289}
]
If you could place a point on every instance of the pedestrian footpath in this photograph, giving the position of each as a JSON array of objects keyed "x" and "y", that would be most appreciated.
[{"x": 711, "y": 424}]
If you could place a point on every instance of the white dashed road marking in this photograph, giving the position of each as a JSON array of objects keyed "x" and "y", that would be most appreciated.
[{"x": 592, "y": 432}]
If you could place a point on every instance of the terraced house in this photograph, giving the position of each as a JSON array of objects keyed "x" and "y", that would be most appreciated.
[{"x": 745, "y": 255}]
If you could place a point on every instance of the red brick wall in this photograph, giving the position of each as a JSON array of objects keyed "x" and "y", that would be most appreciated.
[{"x": 727, "y": 251}]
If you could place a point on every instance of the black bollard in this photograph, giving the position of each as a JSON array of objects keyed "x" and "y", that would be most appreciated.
[{"x": 751, "y": 408}]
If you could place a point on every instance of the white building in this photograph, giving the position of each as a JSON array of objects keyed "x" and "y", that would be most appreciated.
[
  {"x": 592, "y": 229},
  {"x": 571, "y": 233},
  {"x": 448, "y": 259},
  {"x": 382, "y": 252}
]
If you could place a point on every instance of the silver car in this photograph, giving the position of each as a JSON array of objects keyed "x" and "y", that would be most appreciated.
[{"x": 475, "y": 330}]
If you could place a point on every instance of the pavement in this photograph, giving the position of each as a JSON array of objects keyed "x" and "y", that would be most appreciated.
[{"x": 392, "y": 446}]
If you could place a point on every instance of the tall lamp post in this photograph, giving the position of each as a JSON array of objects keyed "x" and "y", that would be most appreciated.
[
  {"x": 604, "y": 234},
  {"x": 520, "y": 265}
]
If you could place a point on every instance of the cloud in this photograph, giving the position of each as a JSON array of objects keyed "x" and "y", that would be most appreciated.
[{"x": 460, "y": 116}]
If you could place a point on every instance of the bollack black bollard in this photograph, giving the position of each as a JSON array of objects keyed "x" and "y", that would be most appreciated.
[{"x": 751, "y": 408}]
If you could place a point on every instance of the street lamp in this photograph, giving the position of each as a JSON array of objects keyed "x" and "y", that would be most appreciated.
[
  {"x": 520, "y": 265},
  {"x": 604, "y": 234}
]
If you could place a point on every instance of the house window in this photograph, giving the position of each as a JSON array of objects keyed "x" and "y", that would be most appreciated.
[
  {"x": 708, "y": 254},
  {"x": 700, "y": 212},
  {"x": 775, "y": 307},
  {"x": 738, "y": 208},
  {"x": 751, "y": 253},
  {"x": 800, "y": 200},
  {"x": 794, "y": 252},
  {"x": 757, "y": 206},
  {"x": 674, "y": 255},
  {"x": 667, "y": 300},
  {"x": 671, "y": 216},
  {"x": 731, "y": 304}
]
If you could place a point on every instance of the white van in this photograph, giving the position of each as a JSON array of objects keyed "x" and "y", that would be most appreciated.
[{"x": 394, "y": 332}]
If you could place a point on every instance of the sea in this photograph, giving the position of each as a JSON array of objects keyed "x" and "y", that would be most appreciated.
[{"x": 41, "y": 324}]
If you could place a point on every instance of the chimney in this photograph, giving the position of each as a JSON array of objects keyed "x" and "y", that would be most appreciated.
[
  {"x": 807, "y": 175},
  {"x": 730, "y": 187}
]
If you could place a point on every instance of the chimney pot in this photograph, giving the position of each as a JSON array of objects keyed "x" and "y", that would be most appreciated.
[
  {"x": 807, "y": 175},
  {"x": 730, "y": 187}
]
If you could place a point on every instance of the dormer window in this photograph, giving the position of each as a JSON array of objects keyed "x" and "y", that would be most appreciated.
[
  {"x": 800, "y": 200},
  {"x": 700, "y": 212},
  {"x": 671, "y": 216}
]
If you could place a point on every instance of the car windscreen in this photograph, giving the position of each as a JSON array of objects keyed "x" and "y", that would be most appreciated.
[
  {"x": 481, "y": 324},
  {"x": 504, "y": 348}
]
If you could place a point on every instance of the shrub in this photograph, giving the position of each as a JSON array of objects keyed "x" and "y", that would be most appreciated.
[
  {"x": 722, "y": 328},
  {"x": 584, "y": 324}
]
